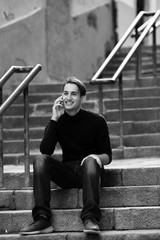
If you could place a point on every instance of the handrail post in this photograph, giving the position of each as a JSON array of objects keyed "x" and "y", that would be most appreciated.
[
  {"x": 1, "y": 143},
  {"x": 23, "y": 87},
  {"x": 100, "y": 92},
  {"x": 121, "y": 110},
  {"x": 154, "y": 53},
  {"x": 26, "y": 137},
  {"x": 137, "y": 58}
]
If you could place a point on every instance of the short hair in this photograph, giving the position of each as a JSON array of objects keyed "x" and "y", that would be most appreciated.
[{"x": 79, "y": 84}]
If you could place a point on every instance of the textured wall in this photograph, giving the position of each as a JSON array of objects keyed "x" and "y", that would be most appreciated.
[
  {"x": 68, "y": 37},
  {"x": 79, "y": 35},
  {"x": 22, "y": 37}
]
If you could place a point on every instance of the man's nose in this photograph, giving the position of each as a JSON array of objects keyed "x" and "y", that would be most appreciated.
[{"x": 69, "y": 96}]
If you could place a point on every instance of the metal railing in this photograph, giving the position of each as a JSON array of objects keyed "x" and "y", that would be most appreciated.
[
  {"x": 147, "y": 28},
  {"x": 23, "y": 87},
  {"x": 141, "y": 28}
]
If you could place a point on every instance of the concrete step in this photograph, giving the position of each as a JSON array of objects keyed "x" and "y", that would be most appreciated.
[
  {"x": 131, "y": 70},
  {"x": 18, "y": 133},
  {"x": 129, "y": 82},
  {"x": 18, "y": 158},
  {"x": 136, "y": 152},
  {"x": 17, "y": 146},
  {"x": 110, "y": 92},
  {"x": 147, "y": 62},
  {"x": 92, "y": 104},
  {"x": 130, "y": 128},
  {"x": 34, "y": 121},
  {"x": 42, "y": 108},
  {"x": 142, "y": 140},
  {"x": 129, "y": 210},
  {"x": 151, "y": 234},
  {"x": 137, "y": 140},
  {"x": 129, "y": 196},
  {"x": 118, "y": 153},
  {"x": 47, "y": 93},
  {"x": 121, "y": 172},
  {"x": 129, "y": 218},
  {"x": 131, "y": 103},
  {"x": 135, "y": 127},
  {"x": 139, "y": 114}
]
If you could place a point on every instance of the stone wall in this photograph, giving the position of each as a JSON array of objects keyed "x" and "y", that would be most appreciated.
[
  {"x": 79, "y": 36},
  {"x": 22, "y": 38},
  {"x": 68, "y": 37}
]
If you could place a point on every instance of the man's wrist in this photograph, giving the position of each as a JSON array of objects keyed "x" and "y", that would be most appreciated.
[{"x": 54, "y": 118}]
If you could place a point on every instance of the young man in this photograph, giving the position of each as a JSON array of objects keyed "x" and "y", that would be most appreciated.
[{"x": 84, "y": 139}]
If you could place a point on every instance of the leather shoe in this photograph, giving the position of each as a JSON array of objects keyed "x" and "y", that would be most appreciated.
[{"x": 91, "y": 226}]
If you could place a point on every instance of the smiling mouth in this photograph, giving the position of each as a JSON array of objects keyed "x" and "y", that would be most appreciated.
[{"x": 69, "y": 103}]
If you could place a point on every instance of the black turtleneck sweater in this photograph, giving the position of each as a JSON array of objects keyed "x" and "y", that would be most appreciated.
[{"x": 79, "y": 135}]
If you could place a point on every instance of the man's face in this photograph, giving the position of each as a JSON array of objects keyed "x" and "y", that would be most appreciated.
[{"x": 71, "y": 98}]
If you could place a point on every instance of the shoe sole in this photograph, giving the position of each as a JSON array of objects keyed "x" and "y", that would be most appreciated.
[
  {"x": 91, "y": 231},
  {"x": 46, "y": 230}
]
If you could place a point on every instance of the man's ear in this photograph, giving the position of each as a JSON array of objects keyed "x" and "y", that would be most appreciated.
[{"x": 83, "y": 98}]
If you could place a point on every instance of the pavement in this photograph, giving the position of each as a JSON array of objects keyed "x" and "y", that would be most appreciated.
[{"x": 151, "y": 162}]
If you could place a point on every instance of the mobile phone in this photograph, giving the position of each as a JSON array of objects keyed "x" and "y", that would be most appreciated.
[{"x": 61, "y": 101}]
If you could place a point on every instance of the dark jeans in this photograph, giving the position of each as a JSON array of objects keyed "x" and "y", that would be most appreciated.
[{"x": 67, "y": 175}]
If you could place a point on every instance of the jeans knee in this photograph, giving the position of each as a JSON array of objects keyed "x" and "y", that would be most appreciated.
[
  {"x": 90, "y": 166},
  {"x": 40, "y": 161}
]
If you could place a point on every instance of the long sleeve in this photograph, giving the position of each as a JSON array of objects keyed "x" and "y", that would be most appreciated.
[
  {"x": 103, "y": 139},
  {"x": 49, "y": 140}
]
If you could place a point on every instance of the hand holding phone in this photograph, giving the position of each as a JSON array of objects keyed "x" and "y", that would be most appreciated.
[{"x": 57, "y": 109}]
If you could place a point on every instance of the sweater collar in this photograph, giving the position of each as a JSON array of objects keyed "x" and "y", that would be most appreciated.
[{"x": 75, "y": 117}]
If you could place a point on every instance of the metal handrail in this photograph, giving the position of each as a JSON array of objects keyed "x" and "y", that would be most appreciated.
[
  {"x": 23, "y": 87},
  {"x": 141, "y": 28},
  {"x": 118, "y": 74},
  {"x": 120, "y": 43},
  {"x": 12, "y": 70}
]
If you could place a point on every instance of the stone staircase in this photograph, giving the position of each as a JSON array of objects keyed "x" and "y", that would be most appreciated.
[
  {"x": 129, "y": 202},
  {"x": 141, "y": 112},
  {"x": 141, "y": 118},
  {"x": 146, "y": 62}
]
